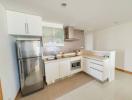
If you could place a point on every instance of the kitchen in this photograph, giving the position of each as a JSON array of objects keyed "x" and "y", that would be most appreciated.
[
  {"x": 61, "y": 56},
  {"x": 53, "y": 60}
]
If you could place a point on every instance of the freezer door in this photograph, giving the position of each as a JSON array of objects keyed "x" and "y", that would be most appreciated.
[
  {"x": 31, "y": 75},
  {"x": 28, "y": 48}
]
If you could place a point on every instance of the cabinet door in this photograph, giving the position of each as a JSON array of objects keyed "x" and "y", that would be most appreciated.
[
  {"x": 51, "y": 71},
  {"x": 58, "y": 34},
  {"x": 34, "y": 25},
  {"x": 86, "y": 64},
  {"x": 48, "y": 36},
  {"x": 53, "y": 36},
  {"x": 64, "y": 68},
  {"x": 16, "y": 23}
]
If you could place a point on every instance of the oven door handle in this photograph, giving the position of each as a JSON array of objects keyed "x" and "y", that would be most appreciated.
[{"x": 76, "y": 61}]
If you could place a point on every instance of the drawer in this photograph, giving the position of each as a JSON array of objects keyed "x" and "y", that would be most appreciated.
[
  {"x": 95, "y": 73},
  {"x": 96, "y": 62},
  {"x": 96, "y": 66}
]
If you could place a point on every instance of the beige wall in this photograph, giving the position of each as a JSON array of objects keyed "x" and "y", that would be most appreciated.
[
  {"x": 88, "y": 36},
  {"x": 117, "y": 38},
  {"x": 8, "y": 67}
]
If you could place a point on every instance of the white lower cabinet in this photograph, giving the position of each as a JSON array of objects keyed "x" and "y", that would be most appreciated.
[
  {"x": 95, "y": 73},
  {"x": 57, "y": 69},
  {"x": 64, "y": 68},
  {"x": 51, "y": 72},
  {"x": 97, "y": 69},
  {"x": 85, "y": 65}
]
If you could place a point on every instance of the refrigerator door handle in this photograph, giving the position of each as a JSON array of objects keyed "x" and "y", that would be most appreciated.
[
  {"x": 21, "y": 72},
  {"x": 21, "y": 68},
  {"x": 43, "y": 71},
  {"x": 19, "y": 53}
]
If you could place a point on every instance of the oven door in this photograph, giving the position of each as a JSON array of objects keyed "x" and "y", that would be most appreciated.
[{"x": 75, "y": 65}]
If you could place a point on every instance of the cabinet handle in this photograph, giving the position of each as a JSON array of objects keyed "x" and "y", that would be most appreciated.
[{"x": 27, "y": 28}]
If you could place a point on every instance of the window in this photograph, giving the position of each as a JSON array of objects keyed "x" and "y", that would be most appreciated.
[{"x": 53, "y": 36}]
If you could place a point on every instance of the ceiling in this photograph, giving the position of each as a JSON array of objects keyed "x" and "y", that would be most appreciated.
[{"x": 84, "y": 14}]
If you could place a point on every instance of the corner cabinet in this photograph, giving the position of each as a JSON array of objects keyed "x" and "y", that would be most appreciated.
[
  {"x": 53, "y": 36},
  {"x": 96, "y": 68},
  {"x": 23, "y": 24}
]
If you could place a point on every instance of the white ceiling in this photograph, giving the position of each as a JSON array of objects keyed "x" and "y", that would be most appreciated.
[{"x": 85, "y": 14}]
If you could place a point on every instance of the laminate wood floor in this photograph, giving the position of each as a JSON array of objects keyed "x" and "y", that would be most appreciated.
[
  {"x": 118, "y": 89},
  {"x": 59, "y": 88}
]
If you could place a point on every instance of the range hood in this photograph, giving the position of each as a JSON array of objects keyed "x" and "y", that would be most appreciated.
[{"x": 70, "y": 34}]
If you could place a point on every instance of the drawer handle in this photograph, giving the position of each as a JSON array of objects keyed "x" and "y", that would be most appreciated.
[
  {"x": 96, "y": 69},
  {"x": 93, "y": 59},
  {"x": 96, "y": 63}
]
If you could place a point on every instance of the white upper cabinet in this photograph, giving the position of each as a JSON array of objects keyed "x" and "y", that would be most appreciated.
[
  {"x": 23, "y": 24},
  {"x": 16, "y": 22},
  {"x": 53, "y": 34},
  {"x": 34, "y": 24}
]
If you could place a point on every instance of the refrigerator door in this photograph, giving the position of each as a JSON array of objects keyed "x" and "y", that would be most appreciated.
[
  {"x": 31, "y": 75},
  {"x": 28, "y": 48}
]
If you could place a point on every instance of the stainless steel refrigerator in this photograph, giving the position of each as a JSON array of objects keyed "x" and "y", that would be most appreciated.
[{"x": 31, "y": 67}]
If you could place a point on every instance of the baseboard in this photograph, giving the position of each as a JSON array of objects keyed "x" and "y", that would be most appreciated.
[
  {"x": 1, "y": 94},
  {"x": 18, "y": 94},
  {"x": 123, "y": 70}
]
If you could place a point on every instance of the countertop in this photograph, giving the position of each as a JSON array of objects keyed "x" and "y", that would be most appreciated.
[
  {"x": 98, "y": 58},
  {"x": 48, "y": 61}
]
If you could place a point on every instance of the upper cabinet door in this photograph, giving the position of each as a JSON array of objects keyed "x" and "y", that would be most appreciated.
[
  {"x": 53, "y": 36},
  {"x": 48, "y": 36},
  {"x": 34, "y": 25},
  {"x": 16, "y": 23},
  {"x": 23, "y": 24},
  {"x": 58, "y": 36}
]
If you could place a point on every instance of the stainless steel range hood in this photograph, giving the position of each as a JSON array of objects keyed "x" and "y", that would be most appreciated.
[{"x": 70, "y": 34}]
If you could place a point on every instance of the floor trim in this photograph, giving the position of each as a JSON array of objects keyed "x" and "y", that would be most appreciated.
[
  {"x": 123, "y": 70},
  {"x": 1, "y": 94},
  {"x": 16, "y": 98}
]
